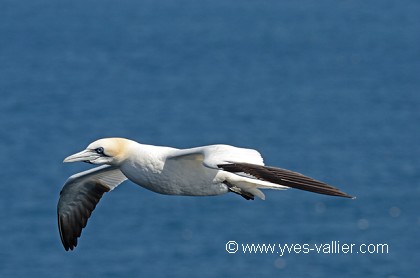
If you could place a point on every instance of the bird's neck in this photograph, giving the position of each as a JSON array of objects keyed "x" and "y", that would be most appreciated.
[
  {"x": 146, "y": 157},
  {"x": 144, "y": 163}
]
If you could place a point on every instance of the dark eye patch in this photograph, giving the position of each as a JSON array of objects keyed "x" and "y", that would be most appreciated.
[{"x": 99, "y": 150}]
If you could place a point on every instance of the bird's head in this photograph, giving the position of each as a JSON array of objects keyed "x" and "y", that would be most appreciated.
[{"x": 109, "y": 151}]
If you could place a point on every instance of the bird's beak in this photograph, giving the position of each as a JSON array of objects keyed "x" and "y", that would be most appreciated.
[{"x": 85, "y": 156}]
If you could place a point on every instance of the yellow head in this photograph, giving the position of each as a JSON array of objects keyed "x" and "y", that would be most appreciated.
[{"x": 111, "y": 151}]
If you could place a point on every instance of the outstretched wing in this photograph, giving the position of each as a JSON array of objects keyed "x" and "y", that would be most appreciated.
[
  {"x": 79, "y": 197},
  {"x": 283, "y": 177}
]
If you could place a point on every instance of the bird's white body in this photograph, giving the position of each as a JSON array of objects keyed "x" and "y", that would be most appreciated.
[
  {"x": 185, "y": 172},
  {"x": 187, "y": 177}
]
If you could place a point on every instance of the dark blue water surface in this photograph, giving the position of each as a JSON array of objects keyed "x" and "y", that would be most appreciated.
[{"x": 327, "y": 88}]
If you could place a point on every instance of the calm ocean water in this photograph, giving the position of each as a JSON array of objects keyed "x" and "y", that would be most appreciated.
[{"x": 326, "y": 88}]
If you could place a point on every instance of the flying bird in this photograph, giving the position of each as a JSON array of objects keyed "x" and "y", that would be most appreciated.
[{"x": 201, "y": 171}]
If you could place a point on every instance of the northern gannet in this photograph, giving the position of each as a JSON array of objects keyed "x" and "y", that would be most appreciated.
[{"x": 201, "y": 171}]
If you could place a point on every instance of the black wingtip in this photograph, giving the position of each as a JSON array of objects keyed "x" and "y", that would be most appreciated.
[
  {"x": 75, "y": 206},
  {"x": 337, "y": 194},
  {"x": 284, "y": 177}
]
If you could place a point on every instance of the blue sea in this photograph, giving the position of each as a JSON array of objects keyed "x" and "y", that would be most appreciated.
[{"x": 329, "y": 88}]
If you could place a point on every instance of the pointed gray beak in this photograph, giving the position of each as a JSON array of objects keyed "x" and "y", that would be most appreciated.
[{"x": 85, "y": 156}]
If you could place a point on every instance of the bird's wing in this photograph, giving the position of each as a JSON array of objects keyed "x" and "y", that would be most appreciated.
[
  {"x": 79, "y": 197},
  {"x": 283, "y": 177},
  {"x": 213, "y": 155}
]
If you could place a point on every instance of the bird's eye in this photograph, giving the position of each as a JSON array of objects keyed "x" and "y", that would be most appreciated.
[{"x": 99, "y": 150}]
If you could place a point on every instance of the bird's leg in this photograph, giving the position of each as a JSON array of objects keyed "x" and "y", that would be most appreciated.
[{"x": 239, "y": 191}]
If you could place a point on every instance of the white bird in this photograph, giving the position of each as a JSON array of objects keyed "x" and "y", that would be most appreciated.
[{"x": 202, "y": 171}]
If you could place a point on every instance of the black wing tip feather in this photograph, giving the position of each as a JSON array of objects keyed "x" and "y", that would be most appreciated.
[
  {"x": 66, "y": 229},
  {"x": 285, "y": 177},
  {"x": 74, "y": 209}
]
